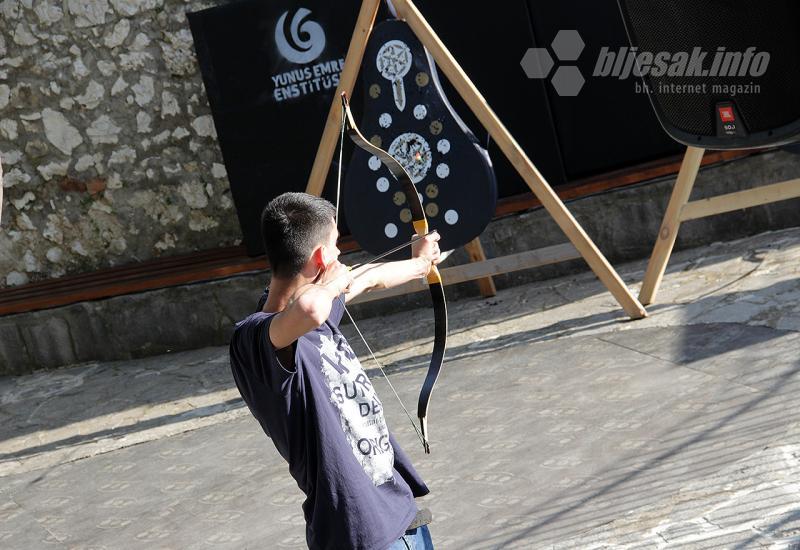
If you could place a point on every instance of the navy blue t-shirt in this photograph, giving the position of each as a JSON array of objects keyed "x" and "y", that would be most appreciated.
[{"x": 327, "y": 422}]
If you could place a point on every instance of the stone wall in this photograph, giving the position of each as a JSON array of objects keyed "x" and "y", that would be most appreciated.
[{"x": 106, "y": 138}]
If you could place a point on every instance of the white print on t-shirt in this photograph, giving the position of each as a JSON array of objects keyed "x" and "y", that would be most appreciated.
[{"x": 360, "y": 410}]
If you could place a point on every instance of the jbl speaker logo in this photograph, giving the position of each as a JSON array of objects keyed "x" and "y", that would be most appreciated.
[{"x": 728, "y": 120}]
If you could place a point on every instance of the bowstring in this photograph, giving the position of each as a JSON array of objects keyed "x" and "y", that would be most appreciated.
[
  {"x": 383, "y": 372},
  {"x": 353, "y": 321}
]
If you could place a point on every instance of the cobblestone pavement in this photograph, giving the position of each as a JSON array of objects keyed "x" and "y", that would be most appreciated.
[{"x": 557, "y": 423}]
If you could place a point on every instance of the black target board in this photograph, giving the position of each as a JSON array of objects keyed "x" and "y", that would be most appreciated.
[
  {"x": 406, "y": 113},
  {"x": 270, "y": 71}
]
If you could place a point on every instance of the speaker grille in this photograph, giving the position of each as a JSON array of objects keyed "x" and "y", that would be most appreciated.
[{"x": 681, "y": 25}]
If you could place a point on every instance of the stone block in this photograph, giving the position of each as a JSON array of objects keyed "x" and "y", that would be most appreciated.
[
  {"x": 90, "y": 335},
  {"x": 164, "y": 320},
  {"x": 14, "y": 358},
  {"x": 48, "y": 340}
]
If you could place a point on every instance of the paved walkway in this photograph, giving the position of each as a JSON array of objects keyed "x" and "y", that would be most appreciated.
[{"x": 557, "y": 423}]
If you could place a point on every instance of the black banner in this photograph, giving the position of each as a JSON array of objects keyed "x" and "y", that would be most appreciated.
[{"x": 270, "y": 71}]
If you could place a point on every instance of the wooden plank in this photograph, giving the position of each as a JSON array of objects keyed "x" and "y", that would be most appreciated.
[
  {"x": 670, "y": 224},
  {"x": 508, "y": 145},
  {"x": 747, "y": 198},
  {"x": 146, "y": 269},
  {"x": 347, "y": 80},
  {"x": 476, "y": 254},
  {"x": 478, "y": 270},
  {"x": 81, "y": 294}
]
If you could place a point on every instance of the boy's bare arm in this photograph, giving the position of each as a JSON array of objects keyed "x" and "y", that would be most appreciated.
[
  {"x": 387, "y": 275},
  {"x": 309, "y": 307},
  {"x": 425, "y": 253}
]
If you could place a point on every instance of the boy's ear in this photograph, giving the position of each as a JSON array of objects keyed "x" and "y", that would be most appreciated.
[{"x": 318, "y": 257}]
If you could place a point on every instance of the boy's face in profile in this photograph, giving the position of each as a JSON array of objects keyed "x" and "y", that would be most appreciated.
[{"x": 330, "y": 252}]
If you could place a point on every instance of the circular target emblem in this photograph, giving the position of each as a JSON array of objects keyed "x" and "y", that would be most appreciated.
[
  {"x": 394, "y": 60},
  {"x": 413, "y": 152}
]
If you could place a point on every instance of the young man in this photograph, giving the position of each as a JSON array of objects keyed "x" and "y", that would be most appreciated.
[{"x": 306, "y": 387}]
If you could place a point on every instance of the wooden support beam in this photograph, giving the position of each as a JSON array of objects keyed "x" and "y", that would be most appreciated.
[
  {"x": 476, "y": 254},
  {"x": 747, "y": 198},
  {"x": 670, "y": 224},
  {"x": 479, "y": 270},
  {"x": 508, "y": 145},
  {"x": 347, "y": 80}
]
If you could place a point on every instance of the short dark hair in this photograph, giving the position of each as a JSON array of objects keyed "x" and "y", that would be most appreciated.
[{"x": 292, "y": 226}]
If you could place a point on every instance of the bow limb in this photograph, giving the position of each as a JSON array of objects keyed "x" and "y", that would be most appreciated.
[{"x": 420, "y": 223}]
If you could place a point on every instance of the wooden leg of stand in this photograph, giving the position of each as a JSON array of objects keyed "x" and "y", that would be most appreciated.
[
  {"x": 352, "y": 63},
  {"x": 476, "y": 254},
  {"x": 506, "y": 142},
  {"x": 670, "y": 225}
]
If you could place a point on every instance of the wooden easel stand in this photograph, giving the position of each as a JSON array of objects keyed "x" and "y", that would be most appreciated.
[
  {"x": 680, "y": 210},
  {"x": 472, "y": 97}
]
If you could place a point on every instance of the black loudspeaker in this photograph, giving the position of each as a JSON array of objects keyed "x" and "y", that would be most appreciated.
[{"x": 720, "y": 74}]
